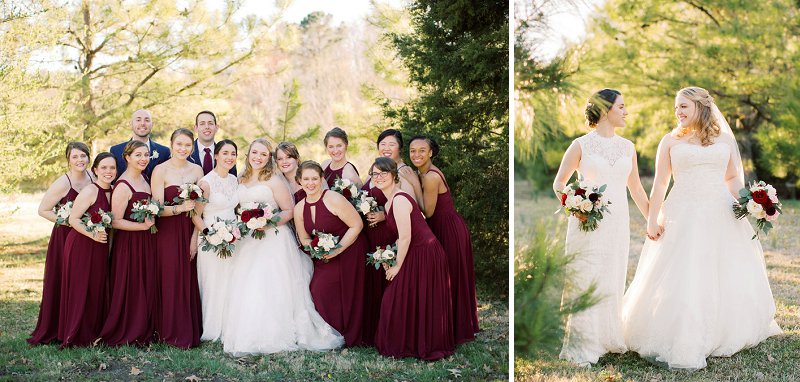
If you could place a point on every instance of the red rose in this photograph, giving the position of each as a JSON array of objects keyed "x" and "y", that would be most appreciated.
[
  {"x": 580, "y": 192},
  {"x": 257, "y": 213},
  {"x": 771, "y": 210},
  {"x": 315, "y": 241},
  {"x": 563, "y": 199},
  {"x": 246, "y": 216},
  {"x": 593, "y": 197},
  {"x": 760, "y": 197},
  {"x": 234, "y": 239},
  {"x": 193, "y": 195},
  {"x": 96, "y": 218}
]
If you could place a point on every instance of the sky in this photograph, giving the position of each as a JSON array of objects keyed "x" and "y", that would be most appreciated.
[
  {"x": 568, "y": 25},
  {"x": 343, "y": 11}
]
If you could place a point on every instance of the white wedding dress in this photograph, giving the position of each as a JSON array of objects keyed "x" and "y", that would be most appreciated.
[
  {"x": 212, "y": 272},
  {"x": 269, "y": 307},
  {"x": 700, "y": 290},
  {"x": 601, "y": 256}
]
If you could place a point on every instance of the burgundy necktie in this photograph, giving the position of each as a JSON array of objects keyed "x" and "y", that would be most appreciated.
[{"x": 207, "y": 166}]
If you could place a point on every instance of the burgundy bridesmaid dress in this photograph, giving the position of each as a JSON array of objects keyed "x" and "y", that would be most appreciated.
[
  {"x": 331, "y": 175},
  {"x": 180, "y": 318},
  {"x": 416, "y": 311},
  {"x": 46, "y": 330},
  {"x": 84, "y": 277},
  {"x": 374, "y": 279},
  {"x": 337, "y": 286},
  {"x": 452, "y": 232},
  {"x": 133, "y": 284},
  {"x": 299, "y": 195}
]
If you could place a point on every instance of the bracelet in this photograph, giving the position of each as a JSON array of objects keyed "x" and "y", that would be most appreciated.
[{"x": 174, "y": 208}]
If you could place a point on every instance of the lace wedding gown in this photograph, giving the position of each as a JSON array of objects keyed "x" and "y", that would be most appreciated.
[
  {"x": 269, "y": 307},
  {"x": 212, "y": 272},
  {"x": 700, "y": 290},
  {"x": 601, "y": 256}
]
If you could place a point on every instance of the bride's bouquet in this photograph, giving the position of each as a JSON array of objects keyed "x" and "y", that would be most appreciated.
[
  {"x": 144, "y": 209},
  {"x": 322, "y": 244},
  {"x": 220, "y": 238},
  {"x": 98, "y": 221},
  {"x": 760, "y": 201},
  {"x": 382, "y": 256},
  {"x": 252, "y": 216},
  {"x": 585, "y": 202},
  {"x": 189, "y": 191},
  {"x": 345, "y": 187},
  {"x": 62, "y": 212}
]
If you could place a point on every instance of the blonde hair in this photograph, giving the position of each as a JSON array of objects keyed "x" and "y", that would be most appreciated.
[
  {"x": 266, "y": 172},
  {"x": 703, "y": 123}
]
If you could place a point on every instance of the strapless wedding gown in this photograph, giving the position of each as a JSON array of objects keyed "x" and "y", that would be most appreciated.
[
  {"x": 700, "y": 290},
  {"x": 269, "y": 307}
]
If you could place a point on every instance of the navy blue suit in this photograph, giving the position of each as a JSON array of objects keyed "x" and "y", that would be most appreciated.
[
  {"x": 163, "y": 155},
  {"x": 197, "y": 159}
]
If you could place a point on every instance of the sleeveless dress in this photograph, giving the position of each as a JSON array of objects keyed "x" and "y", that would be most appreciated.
[
  {"x": 134, "y": 286},
  {"x": 84, "y": 296},
  {"x": 179, "y": 322},
  {"x": 375, "y": 279},
  {"x": 601, "y": 256},
  {"x": 331, "y": 175},
  {"x": 337, "y": 286},
  {"x": 701, "y": 290},
  {"x": 213, "y": 272},
  {"x": 451, "y": 230},
  {"x": 416, "y": 312},
  {"x": 46, "y": 330},
  {"x": 269, "y": 307}
]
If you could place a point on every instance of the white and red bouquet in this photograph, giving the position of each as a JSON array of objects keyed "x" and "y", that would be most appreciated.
[
  {"x": 62, "y": 212},
  {"x": 322, "y": 244},
  {"x": 585, "y": 202},
  {"x": 387, "y": 255},
  {"x": 220, "y": 238},
  {"x": 189, "y": 191},
  {"x": 98, "y": 221},
  {"x": 253, "y": 216},
  {"x": 144, "y": 209},
  {"x": 364, "y": 203},
  {"x": 345, "y": 187},
  {"x": 760, "y": 201}
]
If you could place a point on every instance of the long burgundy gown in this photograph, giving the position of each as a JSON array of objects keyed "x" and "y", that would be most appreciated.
[
  {"x": 133, "y": 283},
  {"x": 375, "y": 279},
  {"x": 451, "y": 230},
  {"x": 331, "y": 175},
  {"x": 46, "y": 330},
  {"x": 416, "y": 311},
  {"x": 337, "y": 286},
  {"x": 84, "y": 277},
  {"x": 180, "y": 317}
]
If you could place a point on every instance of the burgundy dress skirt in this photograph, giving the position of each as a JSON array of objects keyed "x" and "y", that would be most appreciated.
[
  {"x": 374, "y": 279},
  {"x": 451, "y": 230},
  {"x": 337, "y": 287},
  {"x": 84, "y": 277},
  {"x": 133, "y": 284},
  {"x": 46, "y": 330},
  {"x": 180, "y": 318},
  {"x": 416, "y": 312}
]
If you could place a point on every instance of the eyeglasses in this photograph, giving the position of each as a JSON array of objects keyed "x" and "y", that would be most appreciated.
[{"x": 380, "y": 174}]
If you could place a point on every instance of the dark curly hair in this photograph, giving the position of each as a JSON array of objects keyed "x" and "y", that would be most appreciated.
[{"x": 598, "y": 104}]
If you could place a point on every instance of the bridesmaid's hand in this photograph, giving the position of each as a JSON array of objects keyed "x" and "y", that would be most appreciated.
[
  {"x": 192, "y": 249},
  {"x": 332, "y": 254},
  {"x": 149, "y": 222},
  {"x": 392, "y": 272},
  {"x": 187, "y": 206},
  {"x": 100, "y": 237},
  {"x": 376, "y": 217}
]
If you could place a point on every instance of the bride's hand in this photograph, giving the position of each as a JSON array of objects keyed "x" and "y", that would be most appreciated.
[{"x": 654, "y": 231}]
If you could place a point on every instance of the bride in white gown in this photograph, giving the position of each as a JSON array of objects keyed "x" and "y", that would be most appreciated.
[
  {"x": 701, "y": 289},
  {"x": 269, "y": 307},
  {"x": 601, "y": 256},
  {"x": 212, "y": 272}
]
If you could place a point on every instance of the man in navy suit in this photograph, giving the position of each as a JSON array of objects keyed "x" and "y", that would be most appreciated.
[
  {"x": 142, "y": 125},
  {"x": 205, "y": 126}
]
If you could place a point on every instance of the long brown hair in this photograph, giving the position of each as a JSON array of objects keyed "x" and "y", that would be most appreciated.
[{"x": 266, "y": 172}]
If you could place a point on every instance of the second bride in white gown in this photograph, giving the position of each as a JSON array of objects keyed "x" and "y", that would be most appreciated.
[
  {"x": 701, "y": 289},
  {"x": 269, "y": 307}
]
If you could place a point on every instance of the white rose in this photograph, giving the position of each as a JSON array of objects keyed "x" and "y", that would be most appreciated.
[
  {"x": 346, "y": 182},
  {"x": 586, "y": 205},
  {"x": 218, "y": 225},
  {"x": 153, "y": 209},
  {"x": 214, "y": 239},
  {"x": 63, "y": 213},
  {"x": 228, "y": 237},
  {"x": 364, "y": 208},
  {"x": 106, "y": 219},
  {"x": 754, "y": 208},
  {"x": 388, "y": 254},
  {"x": 573, "y": 202},
  {"x": 326, "y": 243}
]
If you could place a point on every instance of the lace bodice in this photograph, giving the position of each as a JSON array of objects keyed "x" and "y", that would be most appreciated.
[
  {"x": 696, "y": 166},
  {"x": 222, "y": 199},
  {"x": 606, "y": 161},
  {"x": 260, "y": 193}
]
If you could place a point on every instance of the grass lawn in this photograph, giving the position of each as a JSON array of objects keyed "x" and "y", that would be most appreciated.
[
  {"x": 776, "y": 359},
  {"x": 23, "y": 243}
]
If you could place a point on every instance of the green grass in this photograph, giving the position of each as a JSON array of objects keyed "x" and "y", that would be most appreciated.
[
  {"x": 776, "y": 359},
  {"x": 21, "y": 270}
]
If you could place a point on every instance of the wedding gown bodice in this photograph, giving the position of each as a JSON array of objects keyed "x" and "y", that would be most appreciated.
[
  {"x": 695, "y": 166},
  {"x": 606, "y": 161},
  {"x": 222, "y": 199},
  {"x": 259, "y": 193}
]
